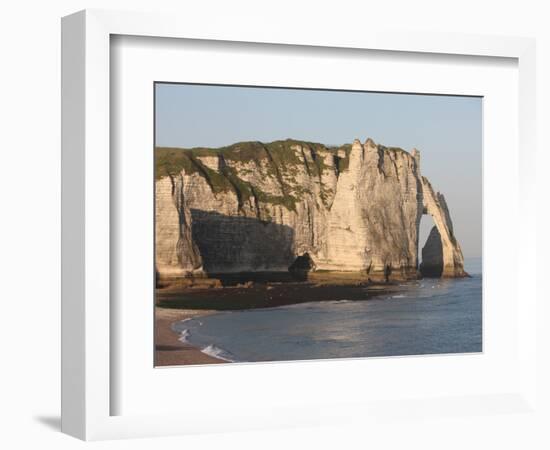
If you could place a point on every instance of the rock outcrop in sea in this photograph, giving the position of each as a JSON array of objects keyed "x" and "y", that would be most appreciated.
[{"x": 255, "y": 207}]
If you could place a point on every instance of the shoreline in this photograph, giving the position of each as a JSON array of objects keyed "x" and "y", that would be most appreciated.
[
  {"x": 177, "y": 303},
  {"x": 169, "y": 351}
]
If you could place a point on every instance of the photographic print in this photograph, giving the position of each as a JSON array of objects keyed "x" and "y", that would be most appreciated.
[{"x": 302, "y": 224}]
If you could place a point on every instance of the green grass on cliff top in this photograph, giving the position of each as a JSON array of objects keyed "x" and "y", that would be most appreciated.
[{"x": 282, "y": 165}]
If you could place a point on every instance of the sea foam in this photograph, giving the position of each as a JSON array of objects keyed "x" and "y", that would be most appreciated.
[
  {"x": 184, "y": 336},
  {"x": 217, "y": 352}
]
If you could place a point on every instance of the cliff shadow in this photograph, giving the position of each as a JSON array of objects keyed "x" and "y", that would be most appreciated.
[{"x": 238, "y": 249}]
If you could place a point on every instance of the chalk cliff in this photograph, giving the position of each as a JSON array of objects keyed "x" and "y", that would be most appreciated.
[{"x": 255, "y": 207}]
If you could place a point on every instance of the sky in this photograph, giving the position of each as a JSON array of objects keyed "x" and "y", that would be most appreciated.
[{"x": 446, "y": 129}]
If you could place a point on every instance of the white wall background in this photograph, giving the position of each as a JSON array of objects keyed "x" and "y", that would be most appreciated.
[{"x": 30, "y": 195}]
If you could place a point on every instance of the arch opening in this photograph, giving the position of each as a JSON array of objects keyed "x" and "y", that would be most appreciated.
[{"x": 431, "y": 253}]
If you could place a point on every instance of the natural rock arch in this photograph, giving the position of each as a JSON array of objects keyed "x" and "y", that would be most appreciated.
[
  {"x": 441, "y": 255},
  {"x": 255, "y": 207}
]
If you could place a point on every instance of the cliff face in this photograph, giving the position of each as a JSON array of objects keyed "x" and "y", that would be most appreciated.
[
  {"x": 255, "y": 207},
  {"x": 451, "y": 254},
  {"x": 177, "y": 253}
]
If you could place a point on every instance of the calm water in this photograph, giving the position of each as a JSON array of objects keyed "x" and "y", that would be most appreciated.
[{"x": 425, "y": 317}]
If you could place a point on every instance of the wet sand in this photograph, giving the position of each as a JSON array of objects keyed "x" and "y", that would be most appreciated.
[
  {"x": 169, "y": 351},
  {"x": 265, "y": 295}
]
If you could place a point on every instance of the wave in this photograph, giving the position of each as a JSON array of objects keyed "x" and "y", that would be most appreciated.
[
  {"x": 399, "y": 296},
  {"x": 184, "y": 336},
  {"x": 333, "y": 302},
  {"x": 181, "y": 325},
  {"x": 217, "y": 352},
  {"x": 210, "y": 350},
  {"x": 177, "y": 327}
]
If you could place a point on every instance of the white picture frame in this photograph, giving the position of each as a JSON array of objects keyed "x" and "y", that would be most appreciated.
[{"x": 87, "y": 319}]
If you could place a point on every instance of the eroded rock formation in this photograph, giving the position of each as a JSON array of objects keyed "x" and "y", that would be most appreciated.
[
  {"x": 254, "y": 207},
  {"x": 177, "y": 253},
  {"x": 436, "y": 206},
  {"x": 432, "y": 255}
]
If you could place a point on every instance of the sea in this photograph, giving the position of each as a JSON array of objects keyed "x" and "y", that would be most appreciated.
[{"x": 428, "y": 316}]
